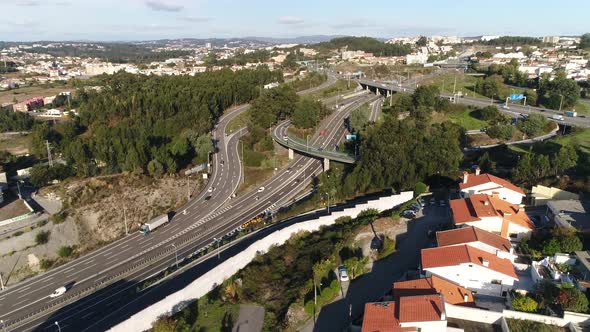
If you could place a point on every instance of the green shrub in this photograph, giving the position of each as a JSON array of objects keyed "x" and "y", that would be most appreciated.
[
  {"x": 524, "y": 303},
  {"x": 42, "y": 237},
  {"x": 45, "y": 264},
  {"x": 65, "y": 251},
  {"x": 387, "y": 248},
  {"x": 18, "y": 233},
  {"x": 522, "y": 325},
  {"x": 253, "y": 158},
  {"x": 420, "y": 189},
  {"x": 499, "y": 131},
  {"x": 58, "y": 218}
]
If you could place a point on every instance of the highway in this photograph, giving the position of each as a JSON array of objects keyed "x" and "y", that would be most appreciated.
[
  {"x": 481, "y": 102},
  {"x": 376, "y": 110},
  {"x": 136, "y": 257}
]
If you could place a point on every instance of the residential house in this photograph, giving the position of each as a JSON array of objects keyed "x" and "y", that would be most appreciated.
[
  {"x": 410, "y": 313},
  {"x": 488, "y": 184},
  {"x": 477, "y": 238},
  {"x": 472, "y": 268},
  {"x": 571, "y": 213},
  {"x": 492, "y": 214},
  {"x": 452, "y": 292},
  {"x": 540, "y": 195}
]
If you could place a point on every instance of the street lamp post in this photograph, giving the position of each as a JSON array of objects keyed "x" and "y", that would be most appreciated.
[
  {"x": 307, "y": 140},
  {"x": 216, "y": 239},
  {"x": 58, "y": 328},
  {"x": 175, "y": 254},
  {"x": 328, "y": 202}
]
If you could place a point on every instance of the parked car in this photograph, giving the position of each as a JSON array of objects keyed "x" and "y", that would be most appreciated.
[
  {"x": 343, "y": 273},
  {"x": 442, "y": 202},
  {"x": 416, "y": 206},
  {"x": 408, "y": 214},
  {"x": 58, "y": 292}
]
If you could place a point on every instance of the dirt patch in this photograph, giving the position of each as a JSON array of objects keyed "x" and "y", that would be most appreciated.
[
  {"x": 15, "y": 143},
  {"x": 389, "y": 227},
  {"x": 12, "y": 208},
  {"x": 25, "y": 93}
]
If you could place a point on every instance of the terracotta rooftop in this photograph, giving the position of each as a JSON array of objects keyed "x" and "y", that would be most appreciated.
[
  {"x": 452, "y": 292},
  {"x": 464, "y": 254},
  {"x": 388, "y": 316},
  {"x": 425, "y": 308},
  {"x": 472, "y": 234},
  {"x": 479, "y": 206},
  {"x": 475, "y": 180}
]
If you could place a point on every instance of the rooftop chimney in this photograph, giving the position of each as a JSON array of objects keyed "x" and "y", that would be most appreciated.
[
  {"x": 477, "y": 171},
  {"x": 465, "y": 176},
  {"x": 485, "y": 262},
  {"x": 486, "y": 203},
  {"x": 465, "y": 297}
]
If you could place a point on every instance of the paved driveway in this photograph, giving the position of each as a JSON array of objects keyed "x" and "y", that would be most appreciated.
[{"x": 370, "y": 287}]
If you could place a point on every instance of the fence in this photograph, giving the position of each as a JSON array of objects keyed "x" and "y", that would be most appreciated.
[{"x": 201, "y": 286}]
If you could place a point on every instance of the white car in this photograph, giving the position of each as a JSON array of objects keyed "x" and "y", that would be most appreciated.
[
  {"x": 343, "y": 273},
  {"x": 261, "y": 189},
  {"x": 58, "y": 292},
  {"x": 210, "y": 189},
  {"x": 505, "y": 107}
]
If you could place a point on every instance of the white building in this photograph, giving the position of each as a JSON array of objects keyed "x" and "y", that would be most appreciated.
[
  {"x": 473, "y": 184},
  {"x": 472, "y": 268},
  {"x": 419, "y": 58}
]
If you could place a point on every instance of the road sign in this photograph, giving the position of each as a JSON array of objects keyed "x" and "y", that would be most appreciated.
[
  {"x": 516, "y": 96},
  {"x": 352, "y": 137}
]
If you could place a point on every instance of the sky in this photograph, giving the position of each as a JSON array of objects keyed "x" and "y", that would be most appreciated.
[{"x": 123, "y": 20}]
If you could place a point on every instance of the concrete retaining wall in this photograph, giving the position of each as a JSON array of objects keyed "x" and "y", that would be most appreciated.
[{"x": 201, "y": 286}]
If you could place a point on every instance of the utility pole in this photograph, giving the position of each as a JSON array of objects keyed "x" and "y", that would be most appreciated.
[{"x": 49, "y": 153}]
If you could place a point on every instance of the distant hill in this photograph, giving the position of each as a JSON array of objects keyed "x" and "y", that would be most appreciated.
[
  {"x": 296, "y": 40},
  {"x": 366, "y": 44}
]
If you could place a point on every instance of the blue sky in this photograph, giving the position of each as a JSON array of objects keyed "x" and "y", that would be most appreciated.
[{"x": 155, "y": 19}]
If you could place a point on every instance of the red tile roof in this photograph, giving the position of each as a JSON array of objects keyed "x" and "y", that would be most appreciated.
[
  {"x": 464, "y": 254},
  {"x": 478, "y": 206},
  {"x": 475, "y": 180},
  {"x": 388, "y": 316},
  {"x": 452, "y": 292},
  {"x": 381, "y": 317},
  {"x": 425, "y": 308},
  {"x": 472, "y": 234}
]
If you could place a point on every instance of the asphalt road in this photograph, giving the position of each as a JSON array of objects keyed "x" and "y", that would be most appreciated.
[
  {"x": 376, "y": 110},
  {"x": 480, "y": 102},
  {"x": 136, "y": 257}
]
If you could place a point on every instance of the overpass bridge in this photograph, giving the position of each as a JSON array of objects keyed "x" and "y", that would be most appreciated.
[
  {"x": 387, "y": 88},
  {"x": 282, "y": 136}
]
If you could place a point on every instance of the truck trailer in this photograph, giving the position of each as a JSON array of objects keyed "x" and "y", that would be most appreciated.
[{"x": 154, "y": 223}]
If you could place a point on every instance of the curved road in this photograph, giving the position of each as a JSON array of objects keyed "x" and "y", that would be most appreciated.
[{"x": 135, "y": 257}]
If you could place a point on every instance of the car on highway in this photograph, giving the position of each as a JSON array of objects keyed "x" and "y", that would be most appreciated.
[
  {"x": 261, "y": 189},
  {"x": 58, "y": 292},
  {"x": 285, "y": 137},
  {"x": 210, "y": 189},
  {"x": 343, "y": 273},
  {"x": 505, "y": 107},
  {"x": 208, "y": 197}
]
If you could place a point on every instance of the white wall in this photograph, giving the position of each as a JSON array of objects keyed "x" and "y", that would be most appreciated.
[
  {"x": 477, "y": 278},
  {"x": 432, "y": 326},
  {"x": 506, "y": 194},
  {"x": 201, "y": 286}
]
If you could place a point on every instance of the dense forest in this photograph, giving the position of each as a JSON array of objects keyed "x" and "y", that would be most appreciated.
[
  {"x": 113, "y": 52},
  {"x": 154, "y": 123},
  {"x": 14, "y": 121},
  {"x": 514, "y": 41},
  {"x": 7, "y": 67},
  {"x": 367, "y": 44},
  {"x": 239, "y": 58}
]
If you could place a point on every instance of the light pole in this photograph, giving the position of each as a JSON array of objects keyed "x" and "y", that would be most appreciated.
[
  {"x": 175, "y": 254},
  {"x": 58, "y": 328},
  {"x": 328, "y": 202},
  {"x": 307, "y": 140}
]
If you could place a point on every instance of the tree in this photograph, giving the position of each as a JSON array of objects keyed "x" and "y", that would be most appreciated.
[
  {"x": 533, "y": 125},
  {"x": 307, "y": 113},
  {"x": 559, "y": 92},
  {"x": 65, "y": 251},
  {"x": 204, "y": 146},
  {"x": 155, "y": 168},
  {"x": 426, "y": 95},
  {"x": 551, "y": 247},
  {"x": 359, "y": 118},
  {"x": 488, "y": 113},
  {"x": 289, "y": 61},
  {"x": 524, "y": 303},
  {"x": 485, "y": 163},
  {"x": 566, "y": 158},
  {"x": 503, "y": 132},
  {"x": 572, "y": 299},
  {"x": 585, "y": 41},
  {"x": 42, "y": 237},
  {"x": 493, "y": 86},
  {"x": 570, "y": 243},
  {"x": 422, "y": 41}
]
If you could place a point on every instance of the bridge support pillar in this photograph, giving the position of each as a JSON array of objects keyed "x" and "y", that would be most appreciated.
[
  {"x": 388, "y": 93},
  {"x": 367, "y": 87},
  {"x": 326, "y": 164},
  {"x": 291, "y": 154}
]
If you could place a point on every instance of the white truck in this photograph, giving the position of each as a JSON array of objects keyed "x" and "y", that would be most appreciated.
[
  {"x": 557, "y": 117},
  {"x": 153, "y": 224}
]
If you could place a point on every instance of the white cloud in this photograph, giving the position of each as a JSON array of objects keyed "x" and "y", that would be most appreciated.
[
  {"x": 290, "y": 20},
  {"x": 28, "y": 3},
  {"x": 162, "y": 5}
]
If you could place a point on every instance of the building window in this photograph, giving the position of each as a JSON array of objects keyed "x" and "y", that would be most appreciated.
[
  {"x": 470, "y": 265},
  {"x": 513, "y": 236},
  {"x": 496, "y": 282}
]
